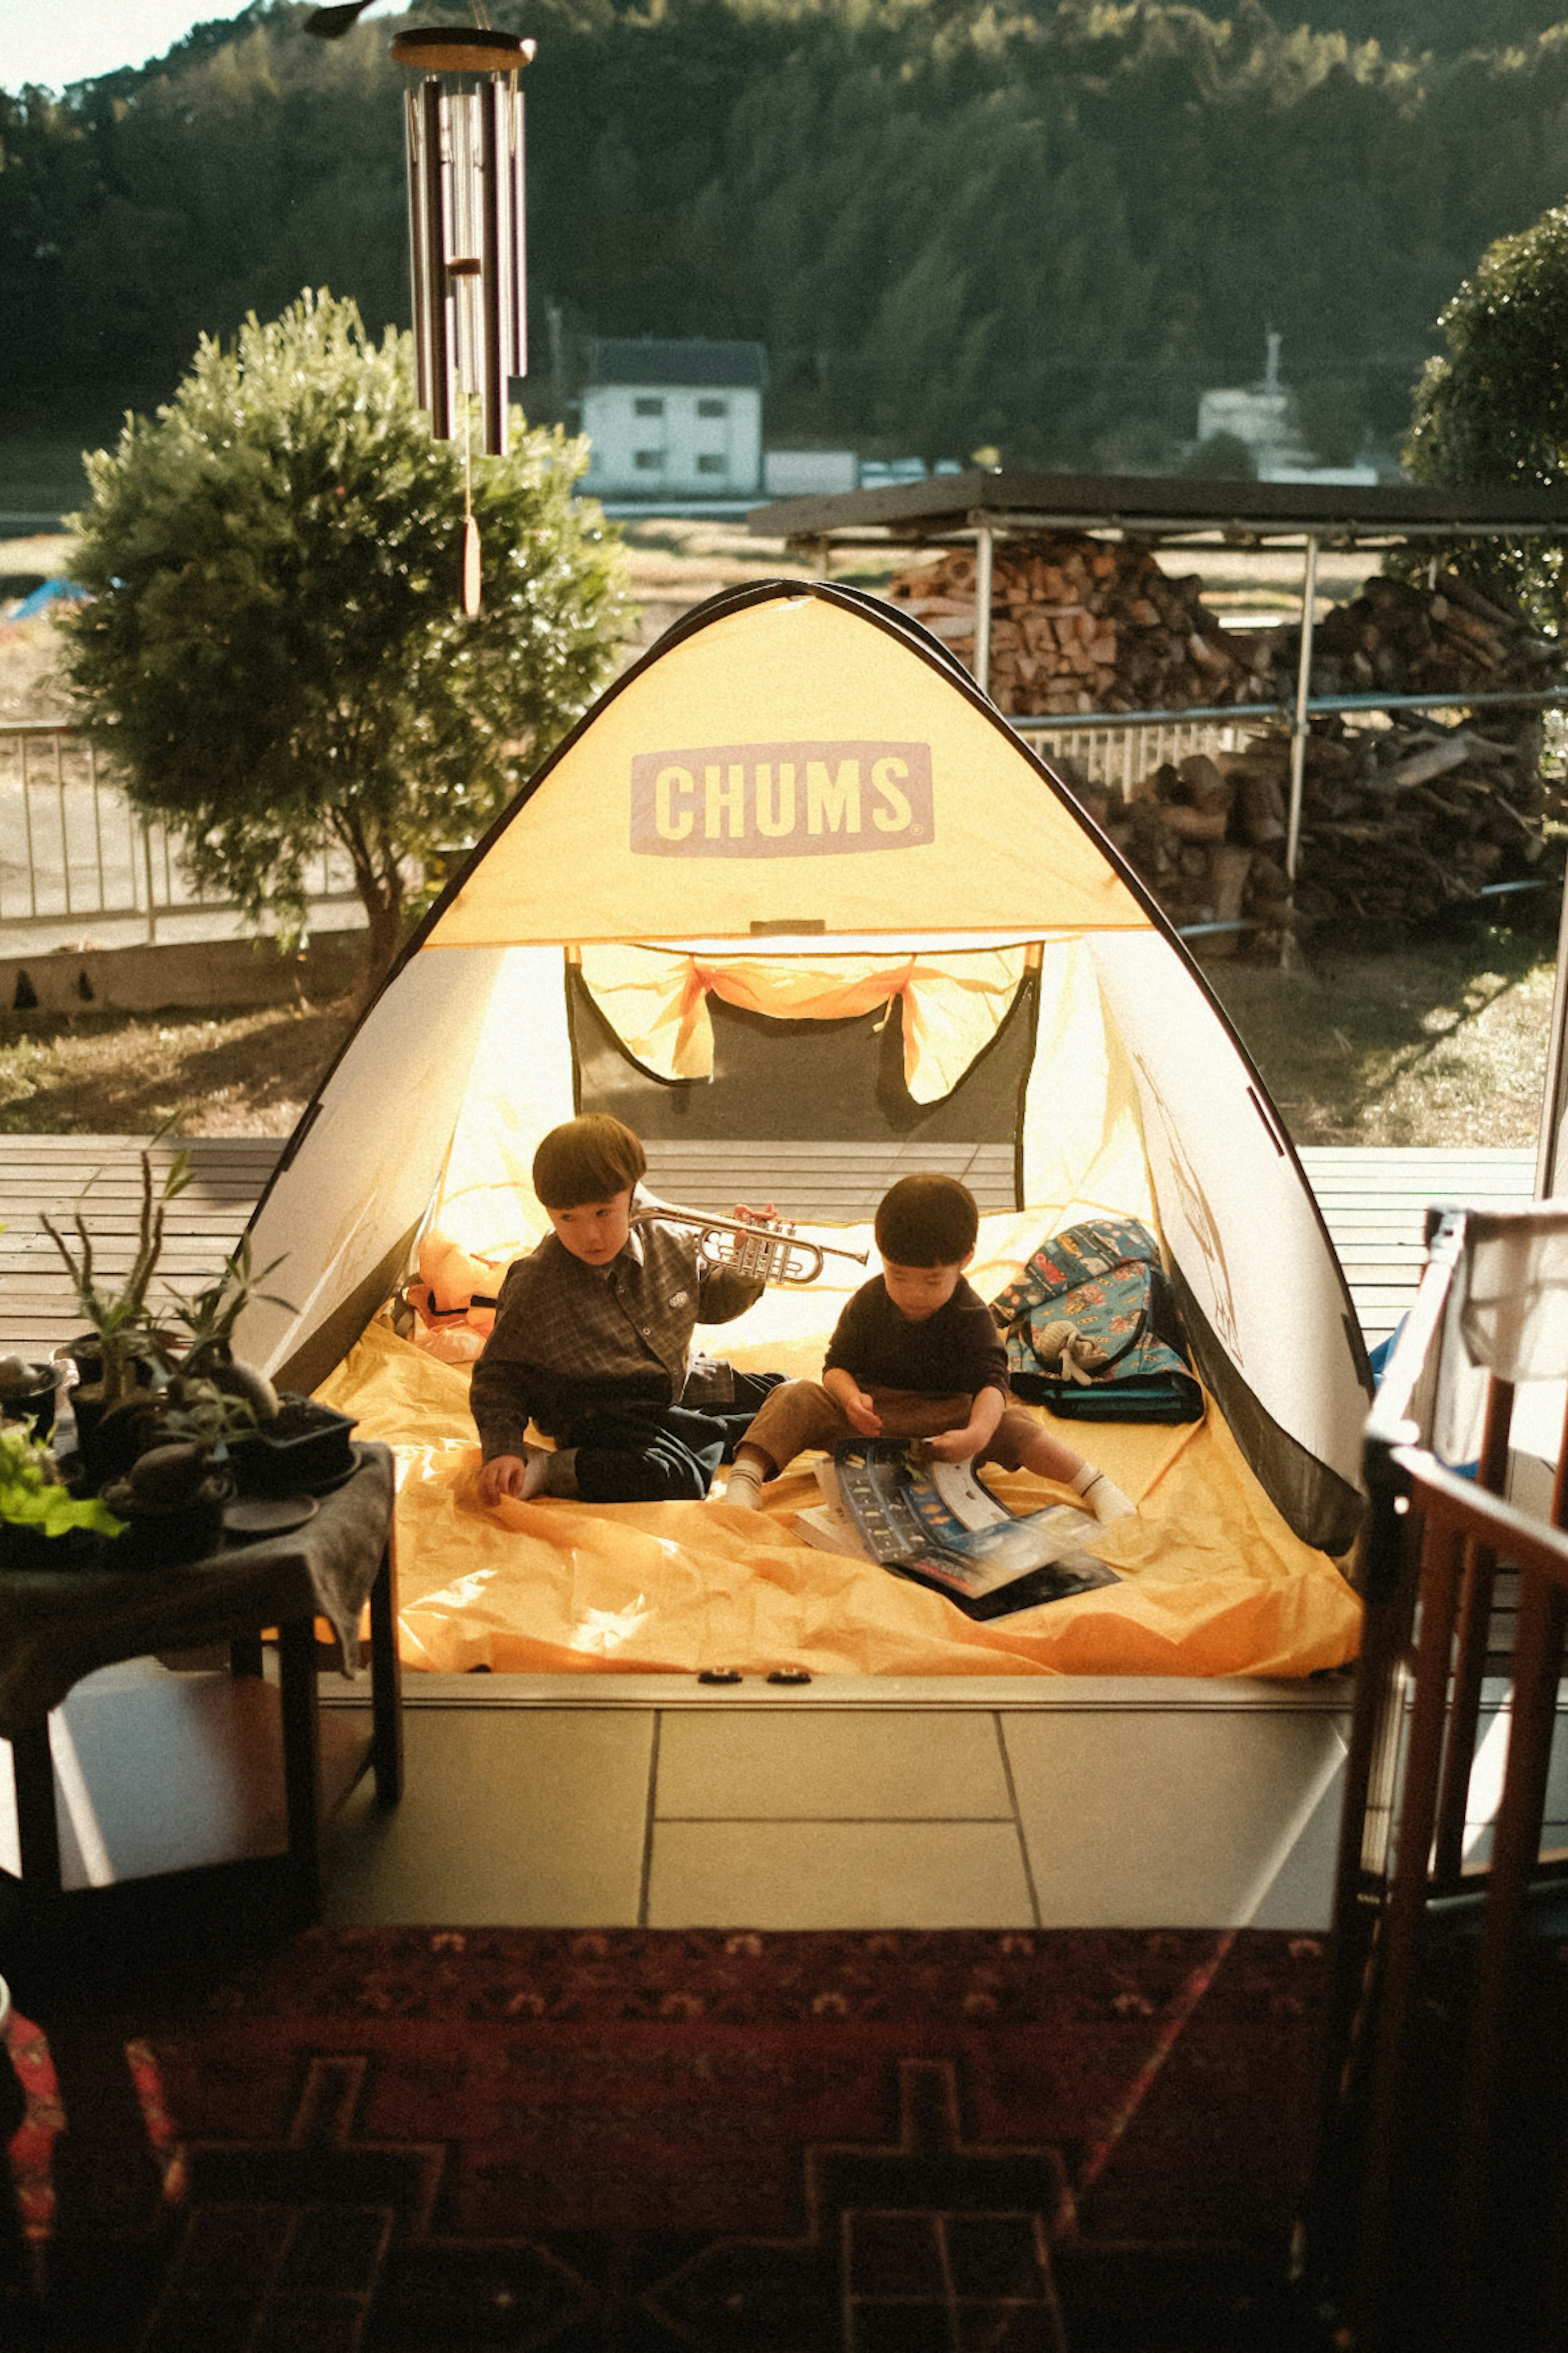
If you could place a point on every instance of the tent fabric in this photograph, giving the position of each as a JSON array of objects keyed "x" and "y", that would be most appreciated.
[
  {"x": 796, "y": 802},
  {"x": 656, "y": 1002},
  {"x": 1212, "y": 1580},
  {"x": 623, "y": 839}
]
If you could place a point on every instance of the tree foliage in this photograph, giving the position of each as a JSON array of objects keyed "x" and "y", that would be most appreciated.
[
  {"x": 1045, "y": 223},
  {"x": 1494, "y": 407},
  {"x": 272, "y": 652}
]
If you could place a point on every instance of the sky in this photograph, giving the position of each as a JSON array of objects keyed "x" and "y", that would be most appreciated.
[{"x": 53, "y": 42}]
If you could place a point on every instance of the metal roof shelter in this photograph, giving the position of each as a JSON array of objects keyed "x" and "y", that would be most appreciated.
[{"x": 977, "y": 508}]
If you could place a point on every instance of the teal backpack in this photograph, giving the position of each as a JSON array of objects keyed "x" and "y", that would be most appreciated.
[{"x": 1093, "y": 1329}]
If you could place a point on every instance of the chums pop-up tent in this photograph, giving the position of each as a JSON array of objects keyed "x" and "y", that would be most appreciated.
[{"x": 794, "y": 900}]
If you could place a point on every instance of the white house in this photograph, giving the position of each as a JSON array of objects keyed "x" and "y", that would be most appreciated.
[
  {"x": 1263, "y": 417},
  {"x": 682, "y": 419}
]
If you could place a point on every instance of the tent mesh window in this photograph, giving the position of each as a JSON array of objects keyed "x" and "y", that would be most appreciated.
[{"x": 813, "y": 1115}]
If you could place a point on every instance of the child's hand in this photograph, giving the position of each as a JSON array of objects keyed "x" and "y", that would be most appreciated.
[
  {"x": 863, "y": 1415},
  {"x": 503, "y": 1474},
  {"x": 953, "y": 1446}
]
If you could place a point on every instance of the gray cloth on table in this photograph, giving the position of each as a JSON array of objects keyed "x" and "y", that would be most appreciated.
[{"x": 57, "y": 1625}]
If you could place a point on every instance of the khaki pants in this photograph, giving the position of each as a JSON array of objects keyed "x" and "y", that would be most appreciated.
[{"x": 802, "y": 1414}]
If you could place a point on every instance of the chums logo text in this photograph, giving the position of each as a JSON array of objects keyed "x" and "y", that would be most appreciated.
[{"x": 780, "y": 800}]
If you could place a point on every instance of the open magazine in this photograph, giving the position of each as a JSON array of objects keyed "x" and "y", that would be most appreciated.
[{"x": 938, "y": 1524}]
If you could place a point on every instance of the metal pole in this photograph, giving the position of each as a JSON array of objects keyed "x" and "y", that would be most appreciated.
[
  {"x": 65, "y": 830},
  {"x": 1299, "y": 725},
  {"x": 985, "y": 550},
  {"x": 1551, "y": 1098},
  {"x": 147, "y": 869},
  {"x": 1299, "y": 722}
]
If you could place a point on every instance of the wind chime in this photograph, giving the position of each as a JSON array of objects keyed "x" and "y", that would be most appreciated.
[{"x": 466, "y": 233}]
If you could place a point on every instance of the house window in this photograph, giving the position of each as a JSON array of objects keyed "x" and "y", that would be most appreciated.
[
  {"x": 648, "y": 408},
  {"x": 710, "y": 462},
  {"x": 712, "y": 408},
  {"x": 648, "y": 459}
]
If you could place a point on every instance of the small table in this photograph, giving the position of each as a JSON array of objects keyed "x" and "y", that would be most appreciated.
[{"x": 59, "y": 1625}]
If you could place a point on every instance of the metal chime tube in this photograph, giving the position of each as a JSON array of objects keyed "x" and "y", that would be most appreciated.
[
  {"x": 494, "y": 401},
  {"x": 465, "y": 249},
  {"x": 434, "y": 344}
]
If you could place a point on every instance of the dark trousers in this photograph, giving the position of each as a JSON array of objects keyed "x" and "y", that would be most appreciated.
[{"x": 640, "y": 1453}]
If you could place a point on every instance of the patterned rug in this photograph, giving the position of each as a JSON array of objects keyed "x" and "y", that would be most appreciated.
[{"x": 410, "y": 2141}]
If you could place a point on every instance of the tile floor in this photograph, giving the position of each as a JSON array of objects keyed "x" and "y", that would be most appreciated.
[
  {"x": 600, "y": 1801},
  {"x": 1164, "y": 1804}
]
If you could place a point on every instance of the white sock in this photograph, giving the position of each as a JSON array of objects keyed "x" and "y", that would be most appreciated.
[
  {"x": 536, "y": 1462},
  {"x": 1104, "y": 1498},
  {"x": 743, "y": 1487}
]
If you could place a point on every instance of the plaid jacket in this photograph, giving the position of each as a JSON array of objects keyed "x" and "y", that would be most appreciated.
[{"x": 571, "y": 1339}]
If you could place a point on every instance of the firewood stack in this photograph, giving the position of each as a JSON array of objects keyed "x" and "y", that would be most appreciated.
[
  {"x": 1397, "y": 823},
  {"x": 1081, "y": 624},
  {"x": 1398, "y": 638},
  {"x": 1399, "y": 819}
]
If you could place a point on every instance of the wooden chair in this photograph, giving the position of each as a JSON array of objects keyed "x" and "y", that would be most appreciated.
[{"x": 1432, "y": 2219}]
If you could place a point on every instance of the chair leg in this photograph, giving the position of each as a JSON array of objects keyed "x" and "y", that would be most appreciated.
[
  {"x": 302, "y": 1758},
  {"x": 385, "y": 1682},
  {"x": 37, "y": 1824}
]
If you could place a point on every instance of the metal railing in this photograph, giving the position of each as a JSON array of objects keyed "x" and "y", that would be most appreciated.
[
  {"x": 1411, "y": 2170},
  {"x": 72, "y": 847}
]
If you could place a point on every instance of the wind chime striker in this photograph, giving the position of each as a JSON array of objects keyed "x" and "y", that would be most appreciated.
[{"x": 466, "y": 240}]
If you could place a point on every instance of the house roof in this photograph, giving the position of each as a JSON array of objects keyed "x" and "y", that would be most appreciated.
[
  {"x": 1169, "y": 506},
  {"x": 650, "y": 359}
]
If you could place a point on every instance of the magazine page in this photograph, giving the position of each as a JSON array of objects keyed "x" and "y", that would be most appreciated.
[{"x": 940, "y": 1523}]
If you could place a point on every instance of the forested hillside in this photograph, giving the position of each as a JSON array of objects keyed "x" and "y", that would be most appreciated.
[{"x": 951, "y": 222}]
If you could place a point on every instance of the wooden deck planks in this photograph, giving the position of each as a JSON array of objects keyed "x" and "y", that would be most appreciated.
[
  {"x": 102, "y": 1177},
  {"x": 1373, "y": 1201}
]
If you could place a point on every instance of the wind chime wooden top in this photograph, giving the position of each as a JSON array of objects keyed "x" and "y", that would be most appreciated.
[{"x": 465, "y": 228}]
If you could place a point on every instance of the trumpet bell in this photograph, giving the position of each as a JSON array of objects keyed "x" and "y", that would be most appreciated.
[{"x": 759, "y": 1250}]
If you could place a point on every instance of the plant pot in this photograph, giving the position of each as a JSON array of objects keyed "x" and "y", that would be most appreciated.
[
  {"x": 166, "y": 1539},
  {"x": 28, "y": 1548},
  {"x": 35, "y": 1404},
  {"x": 108, "y": 1443},
  {"x": 308, "y": 1448}
]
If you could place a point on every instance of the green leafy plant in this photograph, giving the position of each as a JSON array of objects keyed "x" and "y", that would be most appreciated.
[
  {"x": 31, "y": 1493},
  {"x": 201, "y": 1413},
  {"x": 119, "y": 1316},
  {"x": 272, "y": 650},
  {"x": 1493, "y": 407},
  {"x": 210, "y": 1315}
]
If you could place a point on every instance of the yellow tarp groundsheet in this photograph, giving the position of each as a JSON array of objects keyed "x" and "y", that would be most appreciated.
[{"x": 1212, "y": 1580}]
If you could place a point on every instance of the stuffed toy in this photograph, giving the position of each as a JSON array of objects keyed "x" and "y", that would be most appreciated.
[{"x": 1081, "y": 1358}]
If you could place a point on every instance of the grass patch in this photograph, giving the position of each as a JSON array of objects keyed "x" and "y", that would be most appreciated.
[
  {"x": 219, "y": 1071},
  {"x": 1439, "y": 1040}
]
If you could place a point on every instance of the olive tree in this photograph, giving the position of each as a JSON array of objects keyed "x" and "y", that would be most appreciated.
[
  {"x": 272, "y": 647},
  {"x": 1494, "y": 407}
]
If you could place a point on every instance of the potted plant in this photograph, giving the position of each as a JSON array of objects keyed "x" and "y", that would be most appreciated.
[
  {"x": 171, "y": 1501},
  {"x": 119, "y": 1359},
  {"x": 278, "y": 1444},
  {"x": 42, "y": 1523}
]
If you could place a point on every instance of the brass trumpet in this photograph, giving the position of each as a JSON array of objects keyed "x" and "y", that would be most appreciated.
[{"x": 759, "y": 1250}]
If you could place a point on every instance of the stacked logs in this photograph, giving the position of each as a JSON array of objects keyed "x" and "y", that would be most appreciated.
[
  {"x": 1080, "y": 624},
  {"x": 1397, "y": 823},
  {"x": 1399, "y": 819},
  {"x": 1398, "y": 638}
]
